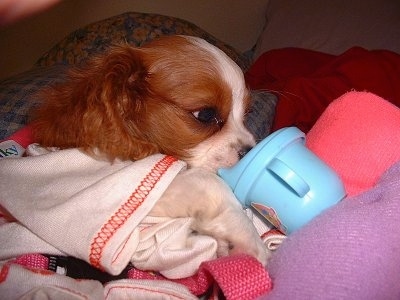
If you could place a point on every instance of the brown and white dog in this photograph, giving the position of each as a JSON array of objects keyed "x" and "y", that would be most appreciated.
[{"x": 176, "y": 95}]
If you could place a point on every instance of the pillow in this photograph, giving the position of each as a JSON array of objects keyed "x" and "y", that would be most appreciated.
[
  {"x": 17, "y": 98},
  {"x": 261, "y": 115},
  {"x": 331, "y": 26},
  {"x": 134, "y": 28}
]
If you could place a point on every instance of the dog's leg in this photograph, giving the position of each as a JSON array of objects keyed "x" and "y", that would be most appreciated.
[{"x": 203, "y": 196}]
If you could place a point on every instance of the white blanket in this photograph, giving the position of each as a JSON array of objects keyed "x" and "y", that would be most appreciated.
[{"x": 67, "y": 203}]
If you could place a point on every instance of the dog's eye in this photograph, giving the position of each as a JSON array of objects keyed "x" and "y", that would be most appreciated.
[
  {"x": 208, "y": 115},
  {"x": 205, "y": 115}
]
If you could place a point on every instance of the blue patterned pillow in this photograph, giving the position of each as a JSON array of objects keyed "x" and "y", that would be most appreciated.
[
  {"x": 262, "y": 111},
  {"x": 132, "y": 27},
  {"x": 17, "y": 96}
]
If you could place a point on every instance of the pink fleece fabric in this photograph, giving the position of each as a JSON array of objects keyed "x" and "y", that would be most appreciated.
[{"x": 358, "y": 135}]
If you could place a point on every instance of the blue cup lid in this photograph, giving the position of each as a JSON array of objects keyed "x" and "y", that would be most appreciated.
[{"x": 275, "y": 142}]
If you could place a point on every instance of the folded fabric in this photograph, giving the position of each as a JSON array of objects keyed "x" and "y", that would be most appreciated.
[
  {"x": 351, "y": 251},
  {"x": 168, "y": 246},
  {"x": 306, "y": 81},
  {"x": 55, "y": 198},
  {"x": 358, "y": 136}
]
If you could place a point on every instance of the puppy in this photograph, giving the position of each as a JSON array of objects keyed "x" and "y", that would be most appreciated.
[{"x": 176, "y": 95}]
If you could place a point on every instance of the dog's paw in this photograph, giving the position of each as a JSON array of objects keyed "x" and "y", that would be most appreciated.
[
  {"x": 235, "y": 234},
  {"x": 206, "y": 198}
]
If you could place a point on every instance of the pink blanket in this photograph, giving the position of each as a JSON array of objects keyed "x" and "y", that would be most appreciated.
[{"x": 358, "y": 135}]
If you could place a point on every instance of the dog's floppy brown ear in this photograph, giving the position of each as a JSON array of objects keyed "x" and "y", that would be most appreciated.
[{"x": 94, "y": 109}]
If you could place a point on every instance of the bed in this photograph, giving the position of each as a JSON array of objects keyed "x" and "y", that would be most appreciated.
[{"x": 310, "y": 56}]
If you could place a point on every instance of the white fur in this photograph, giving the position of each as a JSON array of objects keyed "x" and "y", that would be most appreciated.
[
  {"x": 198, "y": 192},
  {"x": 222, "y": 149}
]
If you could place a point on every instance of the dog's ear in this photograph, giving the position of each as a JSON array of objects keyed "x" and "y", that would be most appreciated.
[{"x": 98, "y": 107}]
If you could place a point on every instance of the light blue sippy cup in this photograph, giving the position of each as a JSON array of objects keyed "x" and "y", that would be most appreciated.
[{"x": 284, "y": 181}]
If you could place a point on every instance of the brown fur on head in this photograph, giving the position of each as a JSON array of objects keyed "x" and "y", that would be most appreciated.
[{"x": 129, "y": 102}]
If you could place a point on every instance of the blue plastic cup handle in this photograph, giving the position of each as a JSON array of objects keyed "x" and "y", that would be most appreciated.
[{"x": 288, "y": 176}]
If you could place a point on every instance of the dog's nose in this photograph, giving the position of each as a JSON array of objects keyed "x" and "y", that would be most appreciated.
[{"x": 244, "y": 151}]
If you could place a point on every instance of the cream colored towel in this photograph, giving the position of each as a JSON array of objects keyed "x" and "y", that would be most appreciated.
[{"x": 358, "y": 136}]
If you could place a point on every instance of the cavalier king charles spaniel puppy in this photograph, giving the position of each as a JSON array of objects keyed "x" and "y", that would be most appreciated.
[{"x": 176, "y": 95}]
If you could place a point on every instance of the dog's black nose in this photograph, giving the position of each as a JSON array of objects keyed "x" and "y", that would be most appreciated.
[{"x": 244, "y": 151}]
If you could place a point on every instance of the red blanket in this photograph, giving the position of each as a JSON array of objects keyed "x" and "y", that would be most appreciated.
[{"x": 307, "y": 81}]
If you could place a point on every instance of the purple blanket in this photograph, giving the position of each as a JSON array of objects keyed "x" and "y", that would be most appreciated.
[{"x": 351, "y": 251}]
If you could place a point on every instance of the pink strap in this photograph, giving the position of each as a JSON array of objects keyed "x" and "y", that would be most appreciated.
[
  {"x": 239, "y": 277},
  {"x": 34, "y": 261}
]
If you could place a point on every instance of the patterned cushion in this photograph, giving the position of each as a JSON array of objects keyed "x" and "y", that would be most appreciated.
[
  {"x": 262, "y": 111},
  {"x": 134, "y": 28},
  {"x": 17, "y": 96}
]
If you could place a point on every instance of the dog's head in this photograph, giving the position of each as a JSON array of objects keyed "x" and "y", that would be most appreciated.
[{"x": 176, "y": 95}]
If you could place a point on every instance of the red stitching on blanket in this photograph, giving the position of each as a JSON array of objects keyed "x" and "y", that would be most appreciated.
[
  {"x": 4, "y": 272},
  {"x": 127, "y": 209}
]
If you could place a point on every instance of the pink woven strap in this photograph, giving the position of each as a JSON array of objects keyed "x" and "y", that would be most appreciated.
[
  {"x": 239, "y": 277},
  {"x": 34, "y": 261}
]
